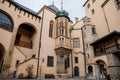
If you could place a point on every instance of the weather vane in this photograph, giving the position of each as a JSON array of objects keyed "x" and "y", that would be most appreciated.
[
  {"x": 52, "y": 2},
  {"x": 61, "y": 4}
]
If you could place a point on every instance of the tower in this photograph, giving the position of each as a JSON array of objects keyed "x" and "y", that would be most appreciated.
[{"x": 63, "y": 47}]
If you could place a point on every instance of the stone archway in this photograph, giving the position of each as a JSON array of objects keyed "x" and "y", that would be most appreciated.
[
  {"x": 2, "y": 51},
  {"x": 102, "y": 67},
  {"x": 24, "y": 36}
]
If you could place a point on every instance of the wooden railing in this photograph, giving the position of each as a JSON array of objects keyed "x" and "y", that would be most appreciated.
[
  {"x": 23, "y": 44},
  {"x": 107, "y": 50}
]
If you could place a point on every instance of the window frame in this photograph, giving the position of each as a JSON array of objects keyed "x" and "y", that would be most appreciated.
[
  {"x": 76, "y": 41},
  {"x": 93, "y": 30},
  {"x": 76, "y": 59},
  {"x": 51, "y": 26},
  {"x": 50, "y": 61}
]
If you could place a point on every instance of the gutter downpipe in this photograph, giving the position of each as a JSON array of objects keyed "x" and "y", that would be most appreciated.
[
  {"x": 84, "y": 51},
  {"x": 106, "y": 20},
  {"x": 72, "y": 64},
  {"x": 38, "y": 68}
]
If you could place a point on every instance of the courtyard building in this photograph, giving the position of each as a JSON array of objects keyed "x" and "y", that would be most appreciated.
[{"x": 46, "y": 44}]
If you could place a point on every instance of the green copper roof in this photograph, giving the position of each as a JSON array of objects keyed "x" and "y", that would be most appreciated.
[{"x": 62, "y": 13}]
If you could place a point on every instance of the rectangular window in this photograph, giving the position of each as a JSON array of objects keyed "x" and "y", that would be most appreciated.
[
  {"x": 93, "y": 30},
  {"x": 93, "y": 11},
  {"x": 76, "y": 59},
  {"x": 68, "y": 62},
  {"x": 50, "y": 61},
  {"x": 17, "y": 62},
  {"x": 76, "y": 43},
  {"x": 51, "y": 30}
]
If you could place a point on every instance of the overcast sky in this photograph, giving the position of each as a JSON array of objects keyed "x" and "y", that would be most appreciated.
[{"x": 74, "y": 7}]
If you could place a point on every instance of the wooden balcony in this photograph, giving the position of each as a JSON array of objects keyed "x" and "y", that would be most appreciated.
[
  {"x": 108, "y": 44},
  {"x": 108, "y": 50}
]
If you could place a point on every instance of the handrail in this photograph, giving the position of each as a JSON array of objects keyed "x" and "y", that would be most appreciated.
[{"x": 21, "y": 52}]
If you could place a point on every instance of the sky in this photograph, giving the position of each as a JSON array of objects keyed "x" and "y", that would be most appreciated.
[{"x": 73, "y": 7}]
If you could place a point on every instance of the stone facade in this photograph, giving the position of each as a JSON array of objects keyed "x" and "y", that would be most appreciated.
[{"x": 38, "y": 44}]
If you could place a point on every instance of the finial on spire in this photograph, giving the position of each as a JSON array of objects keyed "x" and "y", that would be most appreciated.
[
  {"x": 61, "y": 4},
  {"x": 52, "y": 2}
]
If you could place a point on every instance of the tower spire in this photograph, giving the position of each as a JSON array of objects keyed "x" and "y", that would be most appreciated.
[
  {"x": 52, "y": 2},
  {"x": 61, "y": 5}
]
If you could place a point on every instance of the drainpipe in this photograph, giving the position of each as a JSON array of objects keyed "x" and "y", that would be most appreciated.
[
  {"x": 37, "y": 76},
  {"x": 106, "y": 19},
  {"x": 84, "y": 51},
  {"x": 72, "y": 64}
]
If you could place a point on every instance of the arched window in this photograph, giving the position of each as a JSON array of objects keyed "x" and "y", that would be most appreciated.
[
  {"x": 51, "y": 29},
  {"x": 5, "y": 22}
]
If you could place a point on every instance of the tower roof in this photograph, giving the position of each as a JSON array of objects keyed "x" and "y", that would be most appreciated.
[
  {"x": 53, "y": 7},
  {"x": 62, "y": 13}
]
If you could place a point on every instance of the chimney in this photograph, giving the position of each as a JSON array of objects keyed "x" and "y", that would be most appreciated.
[{"x": 76, "y": 19}]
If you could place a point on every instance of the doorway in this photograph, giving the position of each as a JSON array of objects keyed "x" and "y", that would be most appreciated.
[{"x": 76, "y": 71}]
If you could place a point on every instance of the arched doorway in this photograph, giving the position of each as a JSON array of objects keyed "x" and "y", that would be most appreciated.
[
  {"x": 24, "y": 37},
  {"x": 90, "y": 70},
  {"x": 76, "y": 71},
  {"x": 102, "y": 68},
  {"x": 2, "y": 51}
]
